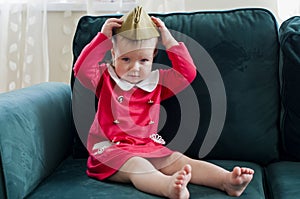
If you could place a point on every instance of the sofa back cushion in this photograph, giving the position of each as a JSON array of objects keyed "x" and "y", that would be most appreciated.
[
  {"x": 231, "y": 110},
  {"x": 290, "y": 73}
]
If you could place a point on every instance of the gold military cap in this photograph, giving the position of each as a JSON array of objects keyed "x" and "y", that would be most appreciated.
[{"x": 137, "y": 25}]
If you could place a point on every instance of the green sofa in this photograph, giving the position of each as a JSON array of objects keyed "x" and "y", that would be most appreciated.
[{"x": 242, "y": 109}]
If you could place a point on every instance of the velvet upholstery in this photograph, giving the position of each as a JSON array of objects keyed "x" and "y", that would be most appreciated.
[
  {"x": 283, "y": 180},
  {"x": 290, "y": 72},
  {"x": 34, "y": 135}
]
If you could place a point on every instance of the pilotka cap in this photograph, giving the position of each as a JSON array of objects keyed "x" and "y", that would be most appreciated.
[{"x": 137, "y": 25}]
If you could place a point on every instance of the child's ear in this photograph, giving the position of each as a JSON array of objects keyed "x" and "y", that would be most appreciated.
[
  {"x": 112, "y": 53},
  {"x": 155, "y": 52},
  {"x": 112, "y": 57}
]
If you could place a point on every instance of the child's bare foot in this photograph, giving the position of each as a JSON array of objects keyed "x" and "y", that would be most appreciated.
[
  {"x": 238, "y": 180},
  {"x": 178, "y": 186}
]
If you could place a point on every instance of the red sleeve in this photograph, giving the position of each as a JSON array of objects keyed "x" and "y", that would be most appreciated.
[
  {"x": 87, "y": 69},
  {"x": 181, "y": 75}
]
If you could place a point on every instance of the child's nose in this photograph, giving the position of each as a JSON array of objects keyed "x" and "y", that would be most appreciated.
[{"x": 136, "y": 66}]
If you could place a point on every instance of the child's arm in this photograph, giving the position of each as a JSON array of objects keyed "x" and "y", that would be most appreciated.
[
  {"x": 109, "y": 25},
  {"x": 86, "y": 68},
  {"x": 166, "y": 37},
  {"x": 183, "y": 71}
]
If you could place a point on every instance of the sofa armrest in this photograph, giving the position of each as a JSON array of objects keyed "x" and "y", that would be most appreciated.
[
  {"x": 35, "y": 135},
  {"x": 289, "y": 35}
]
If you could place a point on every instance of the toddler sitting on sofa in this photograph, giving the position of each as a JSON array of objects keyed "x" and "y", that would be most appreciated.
[{"x": 123, "y": 144}]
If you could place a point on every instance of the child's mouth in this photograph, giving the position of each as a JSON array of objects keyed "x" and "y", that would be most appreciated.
[{"x": 134, "y": 76}]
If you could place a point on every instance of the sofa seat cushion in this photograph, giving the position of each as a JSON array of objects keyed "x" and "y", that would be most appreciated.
[
  {"x": 254, "y": 190},
  {"x": 283, "y": 180},
  {"x": 71, "y": 181}
]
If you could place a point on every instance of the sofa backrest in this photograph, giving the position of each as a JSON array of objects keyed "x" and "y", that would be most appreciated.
[
  {"x": 290, "y": 73},
  {"x": 231, "y": 110}
]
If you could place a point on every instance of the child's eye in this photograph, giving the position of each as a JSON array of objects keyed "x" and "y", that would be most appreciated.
[
  {"x": 144, "y": 60},
  {"x": 125, "y": 59}
]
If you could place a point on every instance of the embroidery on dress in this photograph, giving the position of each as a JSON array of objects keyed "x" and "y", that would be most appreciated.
[
  {"x": 157, "y": 138},
  {"x": 101, "y": 146}
]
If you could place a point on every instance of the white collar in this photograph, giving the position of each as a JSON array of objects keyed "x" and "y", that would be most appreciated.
[{"x": 148, "y": 84}]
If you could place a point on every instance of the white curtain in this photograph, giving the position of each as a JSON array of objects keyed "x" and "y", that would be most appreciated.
[{"x": 24, "y": 44}]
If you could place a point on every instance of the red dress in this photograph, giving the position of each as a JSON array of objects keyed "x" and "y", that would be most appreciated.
[{"x": 126, "y": 121}]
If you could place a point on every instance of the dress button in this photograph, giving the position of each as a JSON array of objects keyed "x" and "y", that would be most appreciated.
[
  {"x": 116, "y": 121},
  {"x": 150, "y": 101},
  {"x": 120, "y": 99},
  {"x": 151, "y": 122}
]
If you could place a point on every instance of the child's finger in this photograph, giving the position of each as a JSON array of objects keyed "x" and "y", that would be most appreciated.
[
  {"x": 115, "y": 25},
  {"x": 157, "y": 21},
  {"x": 115, "y": 22}
]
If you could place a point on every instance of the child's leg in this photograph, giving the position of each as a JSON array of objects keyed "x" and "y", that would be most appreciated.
[
  {"x": 146, "y": 178},
  {"x": 207, "y": 174}
]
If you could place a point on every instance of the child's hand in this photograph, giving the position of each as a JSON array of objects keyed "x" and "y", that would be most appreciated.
[
  {"x": 167, "y": 39},
  {"x": 109, "y": 25}
]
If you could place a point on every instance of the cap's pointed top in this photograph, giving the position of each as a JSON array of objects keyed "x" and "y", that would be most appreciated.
[{"x": 137, "y": 25}]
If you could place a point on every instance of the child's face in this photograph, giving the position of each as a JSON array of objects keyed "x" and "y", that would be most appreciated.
[{"x": 133, "y": 64}]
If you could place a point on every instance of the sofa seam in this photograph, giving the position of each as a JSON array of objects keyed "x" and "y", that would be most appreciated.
[{"x": 3, "y": 173}]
